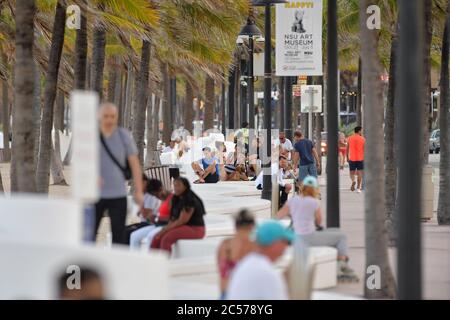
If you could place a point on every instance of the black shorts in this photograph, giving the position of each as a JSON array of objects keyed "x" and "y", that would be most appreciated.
[
  {"x": 212, "y": 178},
  {"x": 356, "y": 165}
]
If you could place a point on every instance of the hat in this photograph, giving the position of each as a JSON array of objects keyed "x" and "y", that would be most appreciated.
[
  {"x": 206, "y": 149},
  {"x": 270, "y": 231},
  {"x": 310, "y": 181}
]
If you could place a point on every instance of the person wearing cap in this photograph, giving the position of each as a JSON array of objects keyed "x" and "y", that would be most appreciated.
[
  {"x": 304, "y": 209},
  {"x": 255, "y": 276},
  {"x": 207, "y": 168},
  {"x": 232, "y": 250}
]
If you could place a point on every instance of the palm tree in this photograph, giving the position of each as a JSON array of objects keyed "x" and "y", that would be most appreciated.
[
  {"x": 45, "y": 145},
  {"x": 5, "y": 121},
  {"x": 141, "y": 99},
  {"x": 376, "y": 237},
  {"x": 23, "y": 153},
  {"x": 98, "y": 58},
  {"x": 188, "y": 110},
  {"x": 81, "y": 47},
  {"x": 208, "y": 122},
  {"x": 444, "y": 122}
]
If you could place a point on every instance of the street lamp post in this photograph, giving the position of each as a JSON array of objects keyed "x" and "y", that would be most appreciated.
[
  {"x": 409, "y": 272},
  {"x": 332, "y": 119},
  {"x": 251, "y": 31},
  {"x": 267, "y": 163}
]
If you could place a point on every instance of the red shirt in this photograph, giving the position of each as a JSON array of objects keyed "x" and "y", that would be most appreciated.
[
  {"x": 164, "y": 208},
  {"x": 356, "y": 147}
]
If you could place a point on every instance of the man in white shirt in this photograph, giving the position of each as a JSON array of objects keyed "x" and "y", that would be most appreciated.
[
  {"x": 287, "y": 148},
  {"x": 255, "y": 276},
  {"x": 171, "y": 147}
]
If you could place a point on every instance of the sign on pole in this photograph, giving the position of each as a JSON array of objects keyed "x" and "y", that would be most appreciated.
[
  {"x": 311, "y": 95},
  {"x": 299, "y": 38},
  {"x": 85, "y": 139}
]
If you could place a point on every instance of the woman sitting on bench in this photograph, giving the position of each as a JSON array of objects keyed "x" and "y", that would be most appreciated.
[
  {"x": 186, "y": 217},
  {"x": 304, "y": 209}
]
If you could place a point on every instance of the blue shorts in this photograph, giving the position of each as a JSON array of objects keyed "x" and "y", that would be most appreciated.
[
  {"x": 307, "y": 170},
  {"x": 356, "y": 165}
]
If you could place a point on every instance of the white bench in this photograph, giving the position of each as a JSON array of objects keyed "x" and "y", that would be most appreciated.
[
  {"x": 40, "y": 219},
  {"x": 31, "y": 271},
  {"x": 199, "y": 256}
]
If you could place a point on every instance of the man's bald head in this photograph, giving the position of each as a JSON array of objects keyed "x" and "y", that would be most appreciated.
[{"x": 108, "y": 116}]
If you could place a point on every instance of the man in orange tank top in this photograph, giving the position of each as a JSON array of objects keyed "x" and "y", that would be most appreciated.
[{"x": 355, "y": 156}]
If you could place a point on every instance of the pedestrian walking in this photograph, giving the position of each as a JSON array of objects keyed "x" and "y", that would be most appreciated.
[
  {"x": 118, "y": 163},
  {"x": 355, "y": 155},
  {"x": 306, "y": 158}
]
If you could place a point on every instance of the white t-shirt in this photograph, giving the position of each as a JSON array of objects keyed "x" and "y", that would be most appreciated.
[
  {"x": 167, "y": 149},
  {"x": 287, "y": 145},
  {"x": 256, "y": 278},
  {"x": 303, "y": 210},
  {"x": 151, "y": 202},
  {"x": 259, "y": 179}
]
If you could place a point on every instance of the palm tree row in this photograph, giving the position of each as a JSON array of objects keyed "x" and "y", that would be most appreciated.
[{"x": 128, "y": 51}]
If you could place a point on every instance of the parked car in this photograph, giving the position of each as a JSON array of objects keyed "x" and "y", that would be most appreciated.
[{"x": 435, "y": 141}]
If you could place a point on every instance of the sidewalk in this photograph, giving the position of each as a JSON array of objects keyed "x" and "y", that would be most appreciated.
[{"x": 435, "y": 242}]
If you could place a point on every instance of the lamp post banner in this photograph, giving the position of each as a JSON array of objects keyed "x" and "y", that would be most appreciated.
[{"x": 299, "y": 38}]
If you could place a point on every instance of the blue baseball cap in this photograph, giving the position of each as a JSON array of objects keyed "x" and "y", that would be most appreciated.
[
  {"x": 270, "y": 231},
  {"x": 310, "y": 181}
]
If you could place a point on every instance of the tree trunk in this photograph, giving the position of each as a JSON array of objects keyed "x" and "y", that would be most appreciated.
[
  {"x": 118, "y": 100},
  {"x": 359, "y": 96},
  {"x": 390, "y": 166},
  {"x": 22, "y": 179},
  {"x": 56, "y": 165},
  {"x": 426, "y": 119},
  {"x": 45, "y": 144},
  {"x": 152, "y": 130},
  {"x": 167, "y": 113},
  {"x": 208, "y": 122},
  {"x": 81, "y": 47},
  {"x": 375, "y": 232},
  {"x": 6, "y": 122},
  {"x": 37, "y": 112},
  {"x": 128, "y": 96},
  {"x": 98, "y": 59},
  {"x": 188, "y": 109},
  {"x": 141, "y": 100},
  {"x": 444, "y": 123}
]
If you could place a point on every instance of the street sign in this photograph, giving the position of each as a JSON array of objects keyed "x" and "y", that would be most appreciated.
[{"x": 311, "y": 95}]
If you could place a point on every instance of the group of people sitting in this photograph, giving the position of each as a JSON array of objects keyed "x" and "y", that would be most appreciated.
[
  {"x": 167, "y": 217},
  {"x": 246, "y": 261}
]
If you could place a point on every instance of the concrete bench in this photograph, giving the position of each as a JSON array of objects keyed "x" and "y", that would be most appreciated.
[
  {"x": 30, "y": 270},
  {"x": 199, "y": 257},
  {"x": 40, "y": 219}
]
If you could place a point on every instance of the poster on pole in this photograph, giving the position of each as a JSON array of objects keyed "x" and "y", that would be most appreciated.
[{"x": 299, "y": 38}]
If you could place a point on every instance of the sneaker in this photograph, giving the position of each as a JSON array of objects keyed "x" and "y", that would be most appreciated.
[
  {"x": 353, "y": 186},
  {"x": 358, "y": 190},
  {"x": 345, "y": 273}
]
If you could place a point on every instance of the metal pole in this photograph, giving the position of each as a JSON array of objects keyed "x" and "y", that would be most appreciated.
[
  {"x": 251, "y": 90},
  {"x": 243, "y": 95},
  {"x": 332, "y": 119},
  {"x": 288, "y": 107},
  {"x": 409, "y": 273},
  {"x": 282, "y": 105},
  {"x": 267, "y": 163},
  {"x": 310, "y": 114}
]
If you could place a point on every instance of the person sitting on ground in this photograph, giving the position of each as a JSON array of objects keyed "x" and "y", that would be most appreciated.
[
  {"x": 304, "y": 209},
  {"x": 207, "y": 169},
  {"x": 156, "y": 194},
  {"x": 186, "y": 217},
  {"x": 255, "y": 277},
  {"x": 235, "y": 166},
  {"x": 90, "y": 287},
  {"x": 232, "y": 250}
]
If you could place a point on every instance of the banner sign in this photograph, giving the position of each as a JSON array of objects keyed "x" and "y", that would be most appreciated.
[{"x": 299, "y": 38}]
